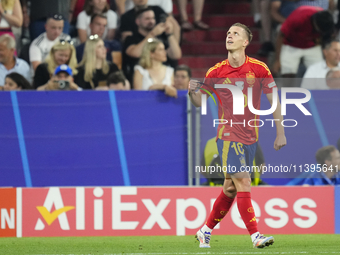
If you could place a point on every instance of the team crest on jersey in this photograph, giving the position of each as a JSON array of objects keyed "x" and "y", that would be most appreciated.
[
  {"x": 250, "y": 78},
  {"x": 243, "y": 161},
  {"x": 239, "y": 84}
]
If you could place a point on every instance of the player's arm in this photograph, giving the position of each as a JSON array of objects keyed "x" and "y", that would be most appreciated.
[
  {"x": 280, "y": 140},
  {"x": 195, "y": 96}
]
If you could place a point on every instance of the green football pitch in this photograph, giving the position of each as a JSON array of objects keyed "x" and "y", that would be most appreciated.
[{"x": 238, "y": 244}]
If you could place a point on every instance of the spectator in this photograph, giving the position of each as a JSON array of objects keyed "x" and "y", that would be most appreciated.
[
  {"x": 182, "y": 77},
  {"x": 9, "y": 63},
  {"x": 299, "y": 37},
  {"x": 97, "y": 26},
  {"x": 165, "y": 5},
  {"x": 198, "y": 9},
  {"x": 15, "y": 81},
  {"x": 151, "y": 74},
  {"x": 61, "y": 80},
  {"x": 333, "y": 78},
  {"x": 10, "y": 16},
  {"x": 61, "y": 53},
  {"x": 117, "y": 81},
  {"x": 40, "y": 12},
  {"x": 281, "y": 9},
  {"x": 94, "y": 70},
  {"x": 331, "y": 53},
  {"x": 147, "y": 28},
  {"x": 92, "y": 7},
  {"x": 42, "y": 45},
  {"x": 328, "y": 158}
]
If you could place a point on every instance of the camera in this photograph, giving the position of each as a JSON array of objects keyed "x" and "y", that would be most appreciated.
[{"x": 63, "y": 84}]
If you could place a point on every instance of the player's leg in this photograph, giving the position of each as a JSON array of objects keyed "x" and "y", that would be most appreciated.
[
  {"x": 223, "y": 202},
  {"x": 242, "y": 182}
]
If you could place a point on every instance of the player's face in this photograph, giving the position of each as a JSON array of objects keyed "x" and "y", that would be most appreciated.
[
  {"x": 236, "y": 39},
  {"x": 159, "y": 54},
  {"x": 332, "y": 54},
  {"x": 147, "y": 20}
]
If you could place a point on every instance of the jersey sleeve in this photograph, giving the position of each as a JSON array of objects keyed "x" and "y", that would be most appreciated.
[{"x": 267, "y": 80}]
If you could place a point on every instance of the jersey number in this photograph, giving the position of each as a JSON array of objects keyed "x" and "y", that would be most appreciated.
[{"x": 238, "y": 148}]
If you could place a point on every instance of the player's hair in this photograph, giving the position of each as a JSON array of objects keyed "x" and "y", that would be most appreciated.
[
  {"x": 183, "y": 68},
  {"x": 89, "y": 60},
  {"x": 324, "y": 154},
  {"x": 149, "y": 47},
  {"x": 71, "y": 62},
  {"x": 246, "y": 29},
  {"x": 324, "y": 22},
  {"x": 116, "y": 78},
  {"x": 139, "y": 13}
]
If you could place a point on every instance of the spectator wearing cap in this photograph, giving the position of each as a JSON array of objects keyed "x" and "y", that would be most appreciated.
[
  {"x": 61, "y": 53},
  {"x": 92, "y": 7},
  {"x": 42, "y": 45},
  {"x": 314, "y": 77},
  {"x": 15, "y": 81},
  {"x": 300, "y": 37},
  {"x": 9, "y": 62},
  {"x": 62, "y": 79},
  {"x": 41, "y": 10},
  {"x": 182, "y": 77},
  {"x": 114, "y": 49}
]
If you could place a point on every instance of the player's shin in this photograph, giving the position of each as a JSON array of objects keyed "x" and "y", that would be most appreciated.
[
  {"x": 220, "y": 209},
  {"x": 246, "y": 210}
]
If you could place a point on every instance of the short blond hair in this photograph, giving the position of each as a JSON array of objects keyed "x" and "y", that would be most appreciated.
[{"x": 246, "y": 29}]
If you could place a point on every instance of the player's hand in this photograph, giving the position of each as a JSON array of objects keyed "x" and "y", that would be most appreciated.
[
  {"x": 193, "y": 85},
  {"x": 158, "y": 29},
  {"x": 276, "y": 67},
  {"x": 280, "y": 141},
  {"x": 171, "y": 91}
]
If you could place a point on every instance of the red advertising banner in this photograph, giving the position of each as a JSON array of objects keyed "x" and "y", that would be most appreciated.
[
  {"x": 122, "y": 211},
  {"x": 8, "y": 210}
]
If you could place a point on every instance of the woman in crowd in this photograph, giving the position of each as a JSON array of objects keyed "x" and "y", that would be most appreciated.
[
  {"x": 61, "y": 53},
  {"x": 94, "y": 70},
  {"x": 15, "y": 81},
  {"x": 84, "y": 18},
  {"x": 10, "y": 15},
  {"x": 151, "y": 74}
]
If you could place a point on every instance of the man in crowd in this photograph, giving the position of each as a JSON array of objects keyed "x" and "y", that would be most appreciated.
[
  {"x": 182, "y": 77},
  {"x": 147, "y": 28},
  {"x": 42, "y": 45},
  {"x": 97, "y": 26},
  {"x": 300, "y": 37},
  {"x": 8, "y": 62},
  {"x": 333, "y": 78},
  {"x": 328, "y": 159},
  {"x": 331, "y": 53}
]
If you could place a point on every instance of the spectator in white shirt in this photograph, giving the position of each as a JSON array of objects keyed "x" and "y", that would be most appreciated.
[
  {"x": 8, "y": 62},
  {"x": 42, "y": 45},
  {"x": 84, "y": 19},
  {"x": 331, "y": 52}
]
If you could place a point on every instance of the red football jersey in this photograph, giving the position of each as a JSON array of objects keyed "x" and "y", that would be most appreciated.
[{"x": 253, "y": 73}]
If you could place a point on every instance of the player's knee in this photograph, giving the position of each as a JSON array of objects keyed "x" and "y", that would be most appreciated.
[{"x": 230, "y": 192}]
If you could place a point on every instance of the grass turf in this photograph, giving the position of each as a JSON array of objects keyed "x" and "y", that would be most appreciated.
[{"x": 284, "y": 244}]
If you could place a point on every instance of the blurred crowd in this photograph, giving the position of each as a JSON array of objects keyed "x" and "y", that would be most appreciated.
[
  {"x": 135, "y": 44},
  {"x": 94, "y": 44}
]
